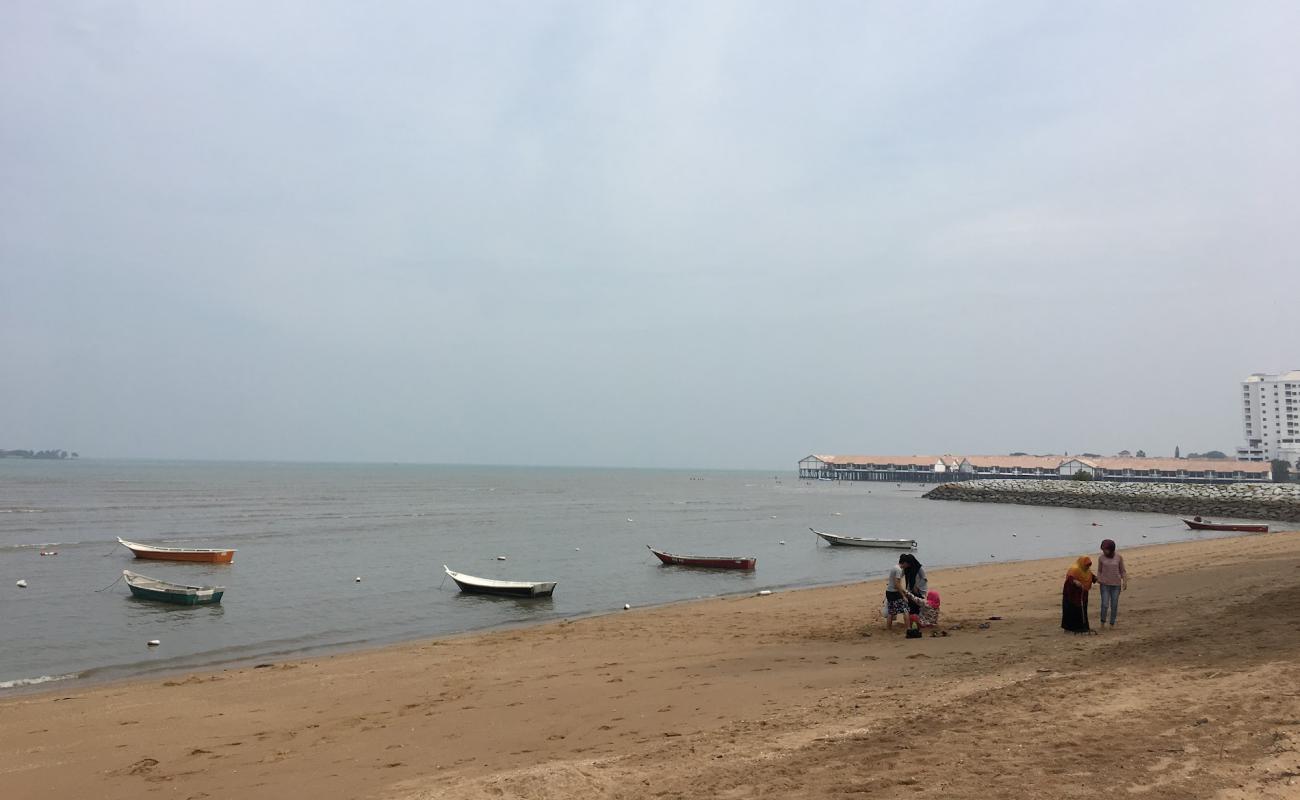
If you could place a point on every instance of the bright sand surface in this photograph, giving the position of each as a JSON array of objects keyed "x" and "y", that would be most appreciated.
[{"x": 1195, "y": 694}]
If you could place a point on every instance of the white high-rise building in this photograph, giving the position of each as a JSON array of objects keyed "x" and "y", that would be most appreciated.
[{"x": 1271, "y": 405}]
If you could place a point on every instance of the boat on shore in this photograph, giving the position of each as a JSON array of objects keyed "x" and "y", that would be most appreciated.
[
  {"x": 712, "y": 562},
  {"x": 474, "y": 585},
  {"x": 1198, "y": 524},
  {"x": 204, "y": 555},
  {"x": 862, "y": 541},
  {"x": 148, "y": 588}
]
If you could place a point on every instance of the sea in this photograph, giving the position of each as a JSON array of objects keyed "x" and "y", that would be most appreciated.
[{"x": 342, "y": 556}]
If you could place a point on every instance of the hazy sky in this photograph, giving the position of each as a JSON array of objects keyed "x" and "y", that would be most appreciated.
[{"x": 646, "y": 234}]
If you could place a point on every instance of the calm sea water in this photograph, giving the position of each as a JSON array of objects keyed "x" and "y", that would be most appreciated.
[{"x": 305, "y": 532}]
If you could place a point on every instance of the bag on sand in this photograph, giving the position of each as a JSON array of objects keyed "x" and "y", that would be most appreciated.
[
  {"x": 913, "y": 626},
  {"x": 884, "y": 610}
]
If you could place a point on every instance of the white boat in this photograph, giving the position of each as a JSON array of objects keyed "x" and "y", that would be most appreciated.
[
  {"x": 473, "y": 585},
  {"x": 861, "y": 541}
]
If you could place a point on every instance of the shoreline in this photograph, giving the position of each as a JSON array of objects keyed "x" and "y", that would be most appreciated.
[
  {"x": 741, "y": 694},
  {"x": 94, "y": 677}
]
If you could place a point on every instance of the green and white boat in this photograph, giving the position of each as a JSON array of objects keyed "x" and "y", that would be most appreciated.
[{"x": 153, "y": 589}]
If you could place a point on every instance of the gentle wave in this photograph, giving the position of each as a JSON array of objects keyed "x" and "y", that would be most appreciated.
[
  {"x": 16, "y": 682},
  {"x": 41, "y": 545},
  {"x": 22, "y": 511}
]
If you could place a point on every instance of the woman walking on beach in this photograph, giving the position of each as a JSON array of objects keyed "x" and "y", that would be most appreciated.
[
  {"x": 1112, "y": 578},
  {"x": 1074, "y": 596}
]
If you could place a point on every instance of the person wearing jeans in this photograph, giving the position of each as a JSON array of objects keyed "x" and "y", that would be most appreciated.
[{"x": 1112, "y": 578}]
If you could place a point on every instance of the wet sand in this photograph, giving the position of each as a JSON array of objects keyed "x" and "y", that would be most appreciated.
[{"x": 799, "y": 694}]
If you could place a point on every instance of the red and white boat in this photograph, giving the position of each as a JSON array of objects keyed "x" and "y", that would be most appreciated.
[
  {"x": 1198, "y": 524},
  {"x": 205, "y": 555},
  {"x": 715, "y": 562}
]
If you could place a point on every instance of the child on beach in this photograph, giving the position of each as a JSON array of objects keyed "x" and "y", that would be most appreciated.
[
  {"x": 930, "y": 610},
  {"x": 895, "y": 597}
]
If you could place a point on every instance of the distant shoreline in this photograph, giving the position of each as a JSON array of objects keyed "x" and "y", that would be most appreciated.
[{"x": 39, "y": 455}]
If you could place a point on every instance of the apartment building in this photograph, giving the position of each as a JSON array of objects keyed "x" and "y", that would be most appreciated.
[{"x": 1271, "y": 417}]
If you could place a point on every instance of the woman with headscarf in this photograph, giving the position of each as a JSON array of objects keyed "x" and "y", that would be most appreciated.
[
  {"x": 1074, "y": 596},
  {"x": 917, "y": 582},
  {"x": 1112, "y": 578}
]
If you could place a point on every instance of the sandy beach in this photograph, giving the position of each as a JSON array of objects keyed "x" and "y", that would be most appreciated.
[{"x": 797, "y": 694}]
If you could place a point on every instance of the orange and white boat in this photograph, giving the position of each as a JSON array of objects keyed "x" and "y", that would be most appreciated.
[{"x": 206, "y": 555}]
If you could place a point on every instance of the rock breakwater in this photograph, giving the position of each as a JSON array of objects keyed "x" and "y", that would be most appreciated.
[{"x": 1267, "y": 501}]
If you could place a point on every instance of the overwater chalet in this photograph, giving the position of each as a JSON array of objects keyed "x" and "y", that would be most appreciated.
[
  {"x": 880, "y": 468},
  {"x": 936, "y": 469}
]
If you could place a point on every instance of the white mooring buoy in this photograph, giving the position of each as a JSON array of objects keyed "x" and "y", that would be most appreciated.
[
  {"x": 357, "y": 579},
  {"x": 626, "y": 606},
  {"x": 153, "y": 642},
  {"x": 21, "y": 584}
]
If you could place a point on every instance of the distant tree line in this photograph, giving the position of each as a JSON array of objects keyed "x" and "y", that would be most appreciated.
[
  {"x": 54, "y": 454},
  {"x": 1143, "y": 454}
]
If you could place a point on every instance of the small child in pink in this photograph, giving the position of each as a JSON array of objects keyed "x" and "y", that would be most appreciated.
[{"x": 930, "y": 610}]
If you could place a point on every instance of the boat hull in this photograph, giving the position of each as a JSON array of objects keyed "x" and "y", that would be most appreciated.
[
  {"x": 859, "y": 541},
  {"x": 203, "y": 558},
  {"x": 708, "y": 562},
  {"x": 147, "y": 588},
  {"x": 201, "y": 555},
  {"x": 177, "y": 599},
  {"x": 472, "y": 585},
  {"x": 525, "y": 591},
  {"x": 1226, "y": 526}
]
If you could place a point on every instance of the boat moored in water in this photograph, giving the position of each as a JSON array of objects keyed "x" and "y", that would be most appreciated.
[
  {"x": 1198, "y": 524},
  {"x": 474, "y": 585},
  {"x": 713, "y": 562},
  {"x": 861, "y": 541},
  {"x": 204, "y": 555},
  {"x": 167, "y": 592}
]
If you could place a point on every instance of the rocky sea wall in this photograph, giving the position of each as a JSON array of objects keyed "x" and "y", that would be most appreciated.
[{"x": 1268, "y": 501}]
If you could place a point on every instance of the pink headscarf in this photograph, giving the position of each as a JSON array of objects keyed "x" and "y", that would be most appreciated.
[{"x": 932, "y": 599}]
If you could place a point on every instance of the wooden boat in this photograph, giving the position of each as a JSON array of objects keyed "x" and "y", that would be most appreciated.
[
  {"x": 164, "y": 591},
  {"x": 1198, "y": 524},
  {"x": 473, "y": 585},
  {"x": 860, "y": 541},
  {"x": 714, "y": 562},
  {"x": 206, "y": 555}
]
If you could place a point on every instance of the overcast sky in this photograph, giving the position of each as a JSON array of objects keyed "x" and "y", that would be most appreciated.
[{"x": 643, "y": 234}]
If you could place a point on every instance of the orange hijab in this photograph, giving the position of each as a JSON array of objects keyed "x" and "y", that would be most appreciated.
[{"x": 1081, "y": 572}]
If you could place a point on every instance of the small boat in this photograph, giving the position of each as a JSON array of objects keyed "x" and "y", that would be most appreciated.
[
  {"x": 206, "y": 555},
  {"x": 715, "y": 562},
  {"x": 860, "y": 541},
  {"x": 473, "y": 585},
  {"x": 154, "y": 589},
  {"x": 1198, "y": 524}
]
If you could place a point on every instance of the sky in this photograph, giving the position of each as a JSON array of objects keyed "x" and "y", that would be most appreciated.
[{"x": 645, "y": 234}]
